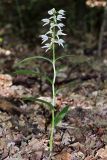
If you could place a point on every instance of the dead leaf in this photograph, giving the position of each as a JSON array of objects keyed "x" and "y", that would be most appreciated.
[
  {"x": 9, "y": 107},
  {"x": 79, "y": 155},
  {"x": 63, "y": 156},
  {"x": 90, "y": 158},
  {"x": 102, "y": 153},
  {"x": 66, "y": 139},
  {"x": 36, "y": 145},
  {"x": 77, "y": 146}
]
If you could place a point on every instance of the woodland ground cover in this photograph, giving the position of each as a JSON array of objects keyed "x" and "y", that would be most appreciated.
[{"x": 82, "y": 84}]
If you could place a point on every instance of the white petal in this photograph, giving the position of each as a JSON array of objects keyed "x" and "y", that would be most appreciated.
[
  {"x": 60, "y": 33},
  {"x": 61, "y": 11},
  {"x": 51, "y": 12},
  {"x": 47, "y": 49},
  {"x": 60, "y": 25},
  {"x": 60, "y": 42},
  {"x": 46, "y": 21},
  {"x": 44, "y": 38},
  {"x": 47, "y": 46},
  {"x": 59, "y": 17}
]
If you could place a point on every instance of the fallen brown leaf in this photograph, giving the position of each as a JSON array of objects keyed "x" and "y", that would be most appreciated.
[
  {"x": 102, "y": 153},
  {"x": 63, "y": 156},
  {"x": 90, "y": 158}
]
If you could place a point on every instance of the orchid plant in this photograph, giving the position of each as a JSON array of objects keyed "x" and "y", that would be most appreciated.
[{"x": 50, "y": 39}]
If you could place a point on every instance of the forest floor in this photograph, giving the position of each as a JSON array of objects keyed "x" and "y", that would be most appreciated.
[{"x": 25, "y": 125}]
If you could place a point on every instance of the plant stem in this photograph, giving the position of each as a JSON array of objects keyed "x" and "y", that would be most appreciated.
[
  {"x": 52, "y": 133},
  {"x": 53, "y": 94}
]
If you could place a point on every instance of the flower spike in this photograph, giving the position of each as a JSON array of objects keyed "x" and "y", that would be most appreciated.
[
  {"x": 50, "y": 39},
  {"x": 55, "y": 29}
]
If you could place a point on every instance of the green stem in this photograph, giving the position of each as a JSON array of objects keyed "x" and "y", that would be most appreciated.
[
  {"x": 53, "y": 95},
  {"x": 52, "y": 133}
]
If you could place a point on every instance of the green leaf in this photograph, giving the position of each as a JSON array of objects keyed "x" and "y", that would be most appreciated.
[
  {"x": 61, "y": 57},
  {"x": 45, "y": 102},
  {"x": 32, "y": 58},
  {"x": 33, "y": 73},
  {"x": 33, "y": 99},
  {"x": 26, "y": 72},
  {"x": 76, "y": 59},
  {"x": 59, "y": 116}
]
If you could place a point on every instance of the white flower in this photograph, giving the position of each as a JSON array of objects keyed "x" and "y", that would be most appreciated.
[
  {"x": 46, "y": 21},
  {"x": 44, "y": 38},
  {"x": 47, "y": 46},
  {"x": 51, "y": 12},
  {"x": 61, "y": 11},
  {"x": 59, "y": 17},
  {"x": 60, "y": 42},
  {"x": 60, "y": 33},
  {"x": 60, "y": 25},
  {"x": 55, "y": 29}
]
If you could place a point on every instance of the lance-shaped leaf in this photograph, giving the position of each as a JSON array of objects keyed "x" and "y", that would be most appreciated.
[
  {"x": 32, "y": 58},
  {"x": 59, "y": 116},
  {"x": 26, "y": 72},
  {"x": 61, "y": 57},
  {"x": 33, "y": 73},
  {"x": 33, "y": 99}
]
